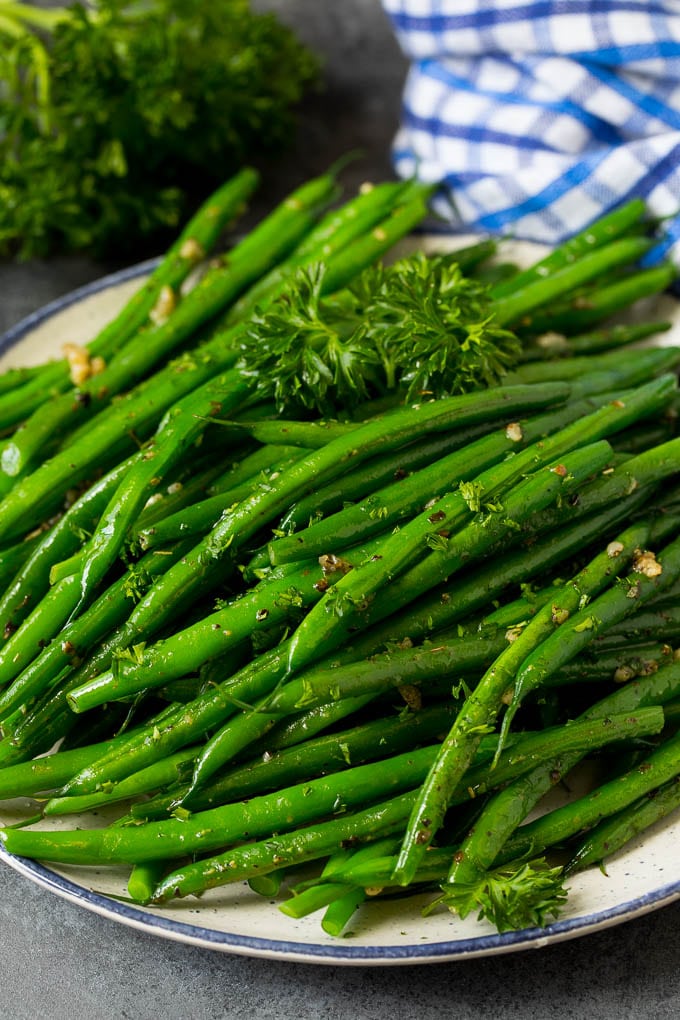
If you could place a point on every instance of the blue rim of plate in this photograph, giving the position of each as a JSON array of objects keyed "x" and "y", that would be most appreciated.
[
  {"x": 15, "y": 333},
  {"x": 304, "y": 952},
  {"x": 342, "y": 952}
]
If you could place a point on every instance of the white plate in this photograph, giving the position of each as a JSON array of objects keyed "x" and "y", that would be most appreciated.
[{"x": 644, "y": 877}]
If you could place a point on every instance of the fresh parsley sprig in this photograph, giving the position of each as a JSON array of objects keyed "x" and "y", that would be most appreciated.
[
  {"x": 308, "y": 352},
  {"x": 419, "y": 326},
  {"x": 511, "y": 897}
]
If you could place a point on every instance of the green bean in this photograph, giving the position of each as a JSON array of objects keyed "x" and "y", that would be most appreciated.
[
  {"x": 213, "y": 828},
  {"x": 519, "y": 676},
  {"x": 330, "y": 752},
  {"x": 207, "y": 561},
  {"x": 66, "y": 643},
  {"x": 371, "y": 246},
  {"x": 35, "y": 728},
  {"x": 181, "y": 494},
  {"x": 336, "y": 229},
  {"x": 386, "y": 506},
  {"x": 196, "y": 520},
  {"x": 574, "y": 738},
  {"x": 554, "y": 345},
  {"x": 503, "y": 813},
  {"x": 436, "y": 864},
  {"x": 649, "y": 575},
  {"x": 169, "y": 770},
  {"x": 603, "y": 231},
  {"x": 280, "y": 811},
  {"x": 249, "y": 778},
  {"x": 609, "y": 495},
  {"x": 356, "y": 589},
  {"x": 195, "y": 241},
  {"x": 13, "y": 378},
  {"x": 635, "y": 440},
  {"x": 561, "y": 646},
  {"x": 522, "y": 609},
  {"x": 48, "y": 773},
  {"x": 351, "y": 219},
  {"x": 189, "y": 723},
  {"x": 429, "y": 607},
  {"x": 61, "y": 541},
  {"x": 647, "y": 365},
  {"x": 419, "y": 606},
  {"x": 185, "y": 651},
  {"x": 212, "y": 480},
  {"x": 305, "y": 725},
  {"x": 618, "y": 666},
  {"x": 376, "y": 874},
  {"x": 268, "y": 885},
  {"x": 323, "y": 686},
  {"x": 44, "y": 622},
  {"x": 196, "y": 878},
  {"x": 512, "y": 306},
  {"x": 294, "y": 848},
  {"x": 13, "y": 558},
  {"x": 144, "y": 878},
  {"x": 227, "y": 722},
  {"x": 110, "y": 435},
  {"x": 312, "y": 435},
  {"x": 320, "y": 756},
  {"x": 172, "y": 662},
  {"x": 338, "y": 861},
  {"x": 324, "y": 626},
  {"x": 376, "y": 472},
  {"x": 176, "y": 432},
  {"x": 314, "y": 896},
  {"x": 611, "y": 835},
  {"x": 587, "y": 310},
  {"x": 384, "y": 433},
  {"x": 660, "y": 619},
  {"x": 297, "y": 694},
  {"x": 661, "y": 766},
  {"x": 582, "y": 369},
  {"x": 486, "y": 701}
]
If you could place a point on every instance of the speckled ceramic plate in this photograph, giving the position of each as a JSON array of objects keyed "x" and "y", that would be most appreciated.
[{"x": 644, "y": 877}]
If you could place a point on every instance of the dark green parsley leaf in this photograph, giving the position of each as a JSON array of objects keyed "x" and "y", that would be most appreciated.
[
  {"x": 511, "y": 897},
  {"x": 296, "y": 352}
]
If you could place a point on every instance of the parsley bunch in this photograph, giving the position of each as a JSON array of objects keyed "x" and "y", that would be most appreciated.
[
  {"x": 419, "y": 326},
  {"x": 116, "y": 120}
]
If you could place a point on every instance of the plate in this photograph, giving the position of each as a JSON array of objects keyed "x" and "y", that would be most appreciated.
[{"x": 235, "y": 920}]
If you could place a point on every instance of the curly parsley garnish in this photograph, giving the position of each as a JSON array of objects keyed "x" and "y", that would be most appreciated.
[
  {"x": 511, "y": 897},
  {"x": 419, "y": 326}
]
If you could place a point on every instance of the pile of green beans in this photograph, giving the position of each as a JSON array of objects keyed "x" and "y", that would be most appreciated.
[{"x": 374, "y": 642}]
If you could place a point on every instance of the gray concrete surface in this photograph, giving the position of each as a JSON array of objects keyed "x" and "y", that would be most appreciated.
[{"x": 59, "y": 962}]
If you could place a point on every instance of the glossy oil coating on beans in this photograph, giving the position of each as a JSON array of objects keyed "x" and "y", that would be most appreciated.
[{"x": 375, "y": 639}]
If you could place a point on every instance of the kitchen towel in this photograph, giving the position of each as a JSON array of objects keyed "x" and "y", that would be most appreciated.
[{"x": 538, "y": 117}]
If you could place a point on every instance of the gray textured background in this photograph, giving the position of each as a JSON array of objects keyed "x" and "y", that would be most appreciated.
[{"x": 58, "y": 961}]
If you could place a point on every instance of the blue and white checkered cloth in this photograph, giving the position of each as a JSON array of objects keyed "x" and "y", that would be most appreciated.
[{"x": 538, "y": 117}]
